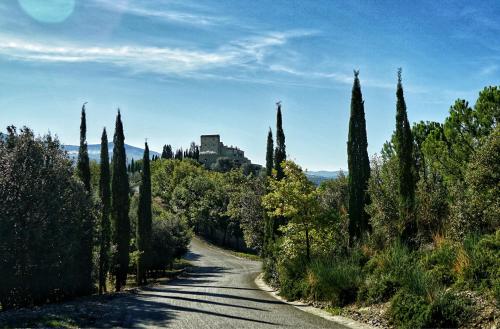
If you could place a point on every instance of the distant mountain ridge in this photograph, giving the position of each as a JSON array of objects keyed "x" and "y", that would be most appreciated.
[
  {"x": 94, "y": 150},
  {"x": 317, "y": 177}
]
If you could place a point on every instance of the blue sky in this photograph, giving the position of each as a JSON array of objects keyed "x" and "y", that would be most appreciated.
[{"x": 181, "y": 68}]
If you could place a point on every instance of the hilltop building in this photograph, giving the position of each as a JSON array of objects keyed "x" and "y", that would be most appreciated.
[{"x": 211, "y": 148}]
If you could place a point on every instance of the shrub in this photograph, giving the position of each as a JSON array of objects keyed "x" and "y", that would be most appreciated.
[
  {"x": 483, "y": 270},
  {"x": 390, "y": 270},
  {"x": 409, "y": 310},
  {"x": 333, "y": 281},
  {"x": 440, "y": 262},
  {"x": 291, "y": 275}
]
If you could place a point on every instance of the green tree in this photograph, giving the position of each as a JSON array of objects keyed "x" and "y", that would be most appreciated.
[
  {"x": 406, "y": 166},
  {"x": 41, "y": 230},
  {"x": 120, "y": 204},
  {"x": 358, "y": 164},
  {"x": 294, "y": 197},
  {"x": 144, "y": 220},
  {"x": 105, "y": 225},
  {"x": 83, "y": 166},
  {"x": 280, "y": 152},
  {"x": 269, "y": 153}
]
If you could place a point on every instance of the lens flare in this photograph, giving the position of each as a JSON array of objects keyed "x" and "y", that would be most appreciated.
[{"x": 48, "y": 11}]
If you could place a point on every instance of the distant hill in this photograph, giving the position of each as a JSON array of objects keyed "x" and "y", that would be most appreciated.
[
  {"x": 319, "y": 176},
  {"x": 132, "y": 152}
]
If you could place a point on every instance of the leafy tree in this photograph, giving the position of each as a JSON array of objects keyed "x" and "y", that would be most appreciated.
[
  {"x": 105, "y": 225},
  {"x": 269, "y": 153},
  {"x": 358, "y": 164},
  {"x": 295, "y": 198},
  {"x": 280, "y": 152},
  {"x": 41, "y": 230},
  {"x": 223, "y": 164},
  {"x": 144, "y": 220},
  {"x": 404, "y": 151},
  {"x": 120, "y": 204}
]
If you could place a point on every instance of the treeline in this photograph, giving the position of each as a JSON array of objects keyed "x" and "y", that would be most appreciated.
[
  {"x": 70, "y": 230},
  {"x": 416, "y": 226}
]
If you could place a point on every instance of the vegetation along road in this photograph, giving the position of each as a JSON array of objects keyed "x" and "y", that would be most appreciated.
[{"x": 218, "y": 293}]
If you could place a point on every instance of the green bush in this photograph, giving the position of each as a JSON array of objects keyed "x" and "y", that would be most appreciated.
[
  {"x": 408, "y": 310},
  {"x": 388, "y": 271},
  {"x": 334, "y": 281},
  {"x": 291, "y": 275},
  {"x": 483, "y": 271},
  {"x": 439, "y": 263}
]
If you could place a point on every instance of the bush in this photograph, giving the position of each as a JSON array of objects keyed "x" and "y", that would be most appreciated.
[
  {"x": 390, "y": 270},
  {"x": 333, "y": 281},
  {"x": 439, "y": 263},
  {"x": 408, "y": 310},
  {"x": 483, "y": 270},
  {"x": 291, "y": 276}
]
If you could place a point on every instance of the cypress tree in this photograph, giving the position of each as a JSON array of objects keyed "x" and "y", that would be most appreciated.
[
  {"x": 164, "y": 153},
  {"x": 83, "y": 165},
  {"x": 83, "y": 172},
  {"x": 120, "y": 205},
  {"x": 170, "y": 154},
  {"x": 144, "y": 220},
  {"x": 404, "y": 151},
  {"x": 280, "y": 152},
  {"x": 105, "y": 225},
  {"x": 269, "y": 153},
  {"x": 358, "y": 164}
]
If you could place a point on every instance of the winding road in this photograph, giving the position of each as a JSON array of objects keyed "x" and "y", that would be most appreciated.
[{"x": 219, "y": 292}]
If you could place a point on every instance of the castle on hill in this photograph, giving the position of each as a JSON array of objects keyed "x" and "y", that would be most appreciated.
[{"x": 211, "y": 148}]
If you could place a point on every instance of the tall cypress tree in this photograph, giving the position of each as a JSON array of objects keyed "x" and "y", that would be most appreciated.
[
  {"x": 144, "y": 220},
  {"x": 280, "y": 152},
  {"x": 164, "y": 153},
  {"x": 105, "y": 225},
  {"x": 120, "y": 205},
  {"x": 404, "y": 151},
  {"x": 83, "y": 172},
  {"x": 269, "y": 153},
  {"x": 358, "y": 164},
  {"x": 83, "y": 165}
]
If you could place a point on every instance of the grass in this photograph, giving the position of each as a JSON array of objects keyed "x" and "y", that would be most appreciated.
[{"x": 245, "y": 255}]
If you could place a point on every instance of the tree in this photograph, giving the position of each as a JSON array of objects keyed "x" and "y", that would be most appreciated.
[
  {"x": 83, "y": 166},
  {"x": 179, "y": 154},
  {"x": 295, "y": 198},
  {"x": 269, "y": 153},
  {"x": 164, "y": 153},
  {"x": 358, "y": 164},
  {"x": 83, "y": 172},
  {"x": 41, "y": 229},
  {"x": 120, "y": 204},
  {"x": 144, "y": 220},
  {"x": 280, "y": 152},
  {"x": 406, "y": 165},
  {"x": 105, "y": 225}
]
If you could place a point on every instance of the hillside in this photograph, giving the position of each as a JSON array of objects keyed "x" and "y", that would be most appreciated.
[{"x": 95, "y": 151}]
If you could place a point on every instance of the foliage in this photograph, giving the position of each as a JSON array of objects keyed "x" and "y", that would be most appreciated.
[
  {"x": 104, "y": 224},
  {"x": 144, "y": 220},
  {"x": 280, "y": 151},
  {"x": 120, "y": 204},
  {"x": 269, "y": 153},
  {"x": 358, "y": 164},
  {"x": 40, "y": 229},
  {"x": 406, "y": 166}
]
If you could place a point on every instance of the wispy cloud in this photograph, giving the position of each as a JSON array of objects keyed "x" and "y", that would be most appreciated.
[
  {"x": 163, "y": 14},
  {"x": 160, "y": 60},
  {"x": 490, "y": 69}
]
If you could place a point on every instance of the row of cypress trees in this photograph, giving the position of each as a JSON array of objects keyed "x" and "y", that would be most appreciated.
[
  {"x": 114, "y": 222},
  {"x": 359, "y": 166}
]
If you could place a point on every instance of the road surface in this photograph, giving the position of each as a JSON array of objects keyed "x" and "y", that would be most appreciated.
[{"x": 218, "y": 293}]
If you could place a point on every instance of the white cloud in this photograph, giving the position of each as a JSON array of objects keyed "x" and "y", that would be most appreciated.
[
  {"x": 161, "y": 60},
  {"x": 168, "y": 15}
]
